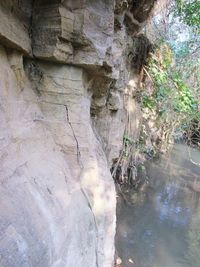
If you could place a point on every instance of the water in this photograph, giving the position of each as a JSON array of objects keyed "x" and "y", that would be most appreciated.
[{"x": 161, "y": 226}]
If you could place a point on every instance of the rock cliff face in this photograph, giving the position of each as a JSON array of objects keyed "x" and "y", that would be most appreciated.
[{"x": 65, "y": 68}]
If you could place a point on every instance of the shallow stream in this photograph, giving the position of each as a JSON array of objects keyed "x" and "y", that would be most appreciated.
[{"x": 161, "y": 225}]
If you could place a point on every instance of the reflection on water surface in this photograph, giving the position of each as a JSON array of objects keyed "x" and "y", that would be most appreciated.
[{"x": 162, "y": 226}]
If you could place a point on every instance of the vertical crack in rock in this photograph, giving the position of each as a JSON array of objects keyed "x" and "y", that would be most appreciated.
[
  {"x": 77, "y": 144},
  {"x": 95, "y": 223},
  {"x": 82, "y": 189}
]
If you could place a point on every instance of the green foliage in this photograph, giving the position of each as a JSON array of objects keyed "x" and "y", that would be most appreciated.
[
  {"x": 169, "y": 100},
  {"x": 171, "y": 93},
  {"x": 127, "y": 140},
  {"x": 185, "y": 30},
  {"x": 148, "y": 102},
  {"x": 189, "y": 12},
  {"x": 127, "y": 143},
  {"x": 184, "y": 98}
]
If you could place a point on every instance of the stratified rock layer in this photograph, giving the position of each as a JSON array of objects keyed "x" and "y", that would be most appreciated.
[
  {"x": 57, "y": 195},
  {"x": 78, "y": 32},
  {"x": 15, "y": 19}
]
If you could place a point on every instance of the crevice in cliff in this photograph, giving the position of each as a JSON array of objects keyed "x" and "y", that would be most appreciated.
[
  {"x": 82, "y": 189},
  {"x": 77, "y": 144},
  {"x": 95, "y": 223}
]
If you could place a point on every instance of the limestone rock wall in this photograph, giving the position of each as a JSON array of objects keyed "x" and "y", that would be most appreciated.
[
  {"x": 15, "y": 20},
  {"x": 57, "y": 196},
  {"x": 65, "y": 69},
  {"x": 78, "y": 32}
]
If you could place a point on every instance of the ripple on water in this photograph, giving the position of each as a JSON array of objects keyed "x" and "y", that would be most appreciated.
[{"x": 163, "y": 231}]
